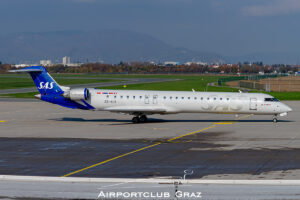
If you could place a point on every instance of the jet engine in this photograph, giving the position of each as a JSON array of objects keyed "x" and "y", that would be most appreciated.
[{"x": 77, "y": 94}]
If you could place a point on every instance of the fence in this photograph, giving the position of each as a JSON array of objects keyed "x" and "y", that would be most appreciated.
[
  {"x": 252, "y": 85},
  {"x": 249, "y": 77},
  {"x": 282, "y": 84}
]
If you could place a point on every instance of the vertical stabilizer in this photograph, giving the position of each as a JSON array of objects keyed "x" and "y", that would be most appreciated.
[{"x": 44, "y": 82}]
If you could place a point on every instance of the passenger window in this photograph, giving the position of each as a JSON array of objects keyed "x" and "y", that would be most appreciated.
[
  {"x": 170, "y": 97},
  {"x": 201, "y": 98},
  {"x": 221, "y": 99},
  {"x": 215, "y": 98},
  {"x": 141, "y": 97},
  {"x": 121, "y": 97},
  {"x": 133, "y": 97},
  {"x": 165, "y": 97},
  {"x": 189, "y": 97},
  {"x": 127, "y": 97},
  {"x": 107, "y": 96},
  {"x": 115, "y": 96},
  {"x": 176, "y": 97},
  {"x": 195, "y": 98},
  {"x": 227, "y": 99},
  {"x": 182, "y": 97},
  {"x": 207, "y": 98}
]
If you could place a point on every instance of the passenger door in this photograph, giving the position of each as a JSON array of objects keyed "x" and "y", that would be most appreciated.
[
  {"x": 155, "y": 97},
  {"x": 253, "y": 104},
  {"x": 147, "y": 98}
]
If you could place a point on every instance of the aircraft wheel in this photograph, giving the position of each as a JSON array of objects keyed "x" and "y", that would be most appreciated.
[
  {"x": 143, "y": 118},
  {"x": 135, "y": 120}
]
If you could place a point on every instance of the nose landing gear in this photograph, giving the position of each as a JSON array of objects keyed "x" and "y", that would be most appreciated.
[
  {"x": 139, "y": 119},
  {"x": 135, "y": 120},
  {"x": 275, "y": 119},
  {"x": 143, "y": 118}
]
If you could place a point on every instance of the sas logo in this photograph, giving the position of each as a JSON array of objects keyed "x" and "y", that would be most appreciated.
[{"x": 47, "y": 85}]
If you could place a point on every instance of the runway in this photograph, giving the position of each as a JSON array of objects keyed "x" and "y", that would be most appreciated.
[{"x": 41, "y": 139}]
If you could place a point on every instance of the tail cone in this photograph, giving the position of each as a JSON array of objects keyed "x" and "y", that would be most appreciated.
[{"x": 38, "y": 96}]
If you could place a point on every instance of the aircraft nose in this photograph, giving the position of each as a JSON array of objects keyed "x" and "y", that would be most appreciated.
[{"x": 288, "y": 109}]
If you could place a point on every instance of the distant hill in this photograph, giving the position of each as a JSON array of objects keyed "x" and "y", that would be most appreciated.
[
  {"x": 109, "y": 46},
  {"x": 267, "y": 58}
]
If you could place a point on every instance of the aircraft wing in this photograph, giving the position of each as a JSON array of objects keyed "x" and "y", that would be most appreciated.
[{"x": 134, "y": 109}]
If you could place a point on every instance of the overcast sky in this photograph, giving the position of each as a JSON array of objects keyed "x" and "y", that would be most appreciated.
[{"x": 228, "y": 27}]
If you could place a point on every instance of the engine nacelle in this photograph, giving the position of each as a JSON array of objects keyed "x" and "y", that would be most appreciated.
[{"x": 77, "y": 94}]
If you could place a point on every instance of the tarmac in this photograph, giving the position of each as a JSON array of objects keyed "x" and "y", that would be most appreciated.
[
  {"x": 82, "y": 188},
  {"x": 42, "y": 139}
]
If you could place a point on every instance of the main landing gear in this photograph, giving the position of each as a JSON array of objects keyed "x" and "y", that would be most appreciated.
[
  {"x": 139, "y": 119},
  {"x": 275, "y": 119}
]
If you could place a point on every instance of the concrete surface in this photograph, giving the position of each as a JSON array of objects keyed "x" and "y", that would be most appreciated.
[
  {"x": 42, "y": 139},
  {"x": 79, "y": 189},
  {"x": 252, "y": 145}
]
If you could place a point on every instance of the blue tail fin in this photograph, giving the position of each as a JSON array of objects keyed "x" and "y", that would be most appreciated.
[
  {"x": 44, "y": 82},
  {"x": 50, "y": 90}
]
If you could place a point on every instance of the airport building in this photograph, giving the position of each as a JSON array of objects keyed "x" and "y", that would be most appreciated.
[
  {"x": 169, "y": 63},
  {"x": 195, "y": 63},
  {"x": 45, "y": 62},
  {"x": 66, "y": 60}
]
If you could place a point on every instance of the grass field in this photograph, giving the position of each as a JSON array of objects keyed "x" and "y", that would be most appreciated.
[
  {"x": 284, "y": 96},
  {"x": 20, "y": 95},
  {"x": 187, "y": 83},
  {"x": 12, "y": 82}
]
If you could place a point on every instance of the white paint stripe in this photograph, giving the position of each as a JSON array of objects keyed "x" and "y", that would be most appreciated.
[
  {"x": 161, "y": 180},
  {"x": 113, "y": 185}
]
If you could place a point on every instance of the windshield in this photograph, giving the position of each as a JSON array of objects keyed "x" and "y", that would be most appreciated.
[{"x": 271, "y": 99}]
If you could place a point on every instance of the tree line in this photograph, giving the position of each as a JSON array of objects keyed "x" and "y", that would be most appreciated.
[{"x": 148, "y": 68}]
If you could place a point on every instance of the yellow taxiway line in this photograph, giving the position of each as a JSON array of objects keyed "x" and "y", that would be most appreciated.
[
  {"x": 111, "y": 159},
  {"x": 135, "y": 151},
  {"x": 2, "y": 121},
  {"x": 148, "y": 147}
]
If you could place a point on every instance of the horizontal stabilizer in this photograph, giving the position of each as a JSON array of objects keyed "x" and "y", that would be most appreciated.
[{"x": 26, "y": 70}]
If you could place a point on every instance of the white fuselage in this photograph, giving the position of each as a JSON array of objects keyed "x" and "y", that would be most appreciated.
[{"x": 167, "y": 102}]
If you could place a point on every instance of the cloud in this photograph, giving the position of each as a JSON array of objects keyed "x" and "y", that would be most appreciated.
[{"x": 273, "y": 8}]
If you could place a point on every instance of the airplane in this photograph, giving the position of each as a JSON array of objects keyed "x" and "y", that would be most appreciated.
[{"x": 141, "y": 103}]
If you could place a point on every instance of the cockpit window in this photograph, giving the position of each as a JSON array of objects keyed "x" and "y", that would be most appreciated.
[{"x": 271, "y": 99}]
